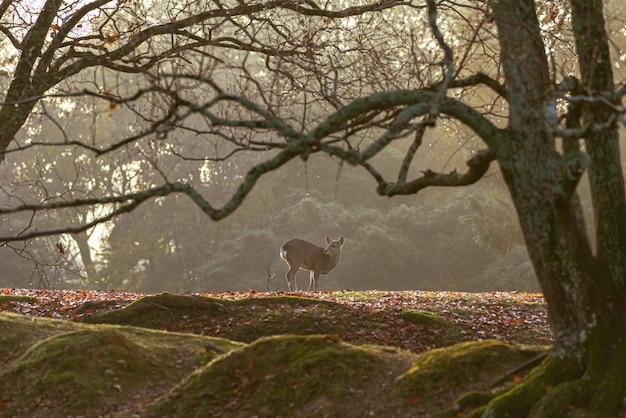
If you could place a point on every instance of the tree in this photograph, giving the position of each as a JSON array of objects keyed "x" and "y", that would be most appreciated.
[{"x": 533, "y": 81}]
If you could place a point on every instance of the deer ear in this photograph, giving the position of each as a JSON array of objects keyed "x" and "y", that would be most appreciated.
[
  {"x": 342, "y": 240},
  {"x": 328, "y": 240}
]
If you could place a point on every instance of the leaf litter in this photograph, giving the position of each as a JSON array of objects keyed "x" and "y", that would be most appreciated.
[{"x": 372, "y": 317}]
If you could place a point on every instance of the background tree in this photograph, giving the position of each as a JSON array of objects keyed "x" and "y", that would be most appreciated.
[
  {"x": 281, "y": 80},
  {"x": 66, "y": 128}
]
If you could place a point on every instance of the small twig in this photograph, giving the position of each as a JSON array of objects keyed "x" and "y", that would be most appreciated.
[
  {"x": 527, "y": 365},
  {"x": 270, "y": 275},
  {"x": 210, "y": 347}
]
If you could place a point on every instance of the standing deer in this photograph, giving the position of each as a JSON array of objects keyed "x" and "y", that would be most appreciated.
[{"x": 299, "y": 253}]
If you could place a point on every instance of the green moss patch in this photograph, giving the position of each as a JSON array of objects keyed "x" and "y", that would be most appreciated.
[
  {"x": 445, "y": 374},
  {"x": 292, "y": 376},
  {"x": 16, "y": 298},
  {"x": 77, "y": 369},
  {"x": 424, "y": 318},
  {"x": 19, "y": 332}
]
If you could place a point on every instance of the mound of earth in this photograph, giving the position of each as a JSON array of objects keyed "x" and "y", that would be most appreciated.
[{"x": 283, "y": 355}]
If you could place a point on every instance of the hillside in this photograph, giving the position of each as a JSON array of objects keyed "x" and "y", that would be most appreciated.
[{"x": 261, "y": 354}]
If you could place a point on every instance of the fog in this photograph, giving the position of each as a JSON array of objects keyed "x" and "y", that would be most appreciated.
[
  {"x": 464, "y": 239},
  {"x": 220, "y": 104}
]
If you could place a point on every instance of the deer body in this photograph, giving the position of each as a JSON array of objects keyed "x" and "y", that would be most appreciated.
[{"x": 299, "y": 253}]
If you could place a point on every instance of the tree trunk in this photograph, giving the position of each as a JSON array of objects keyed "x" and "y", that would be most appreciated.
[
  {"x": 82, "y": 240},
  {"x": 29, "y": 81},
  {"x": 532, "y": 169},
  {"x": 584, "y": 291}
]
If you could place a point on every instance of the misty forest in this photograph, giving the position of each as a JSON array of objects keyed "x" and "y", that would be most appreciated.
[
  {"x": 109, "y": 116},
  {"x": 474, "y": 146}
]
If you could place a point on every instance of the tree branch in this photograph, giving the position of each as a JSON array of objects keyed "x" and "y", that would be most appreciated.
[
  {"x": 478, "y": 166},
  {"x": 417, "y": 142},
  {"x": 478, "y": 79},
  {"x": 133, "y": 200}
]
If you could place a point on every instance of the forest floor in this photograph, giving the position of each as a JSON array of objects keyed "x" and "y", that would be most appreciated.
[{"x": 251, "y": 354}]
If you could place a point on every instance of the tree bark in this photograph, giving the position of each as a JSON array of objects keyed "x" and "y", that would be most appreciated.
[
  {"x": 532, "y": 168},
  {"x": 26, "y": 89},
  {"x": 584, "y": 291},
  {"x": 606, "y": 344}
]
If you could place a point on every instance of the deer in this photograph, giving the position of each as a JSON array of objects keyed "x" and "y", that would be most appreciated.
[{"x": 299, "y": 253}]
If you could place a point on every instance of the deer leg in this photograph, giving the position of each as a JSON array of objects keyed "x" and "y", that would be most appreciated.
[
  {"x": 291, "y": 279},
  {"x": 313, "y": 278}
]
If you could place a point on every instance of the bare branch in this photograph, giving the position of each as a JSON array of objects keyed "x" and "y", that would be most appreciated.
[
  {"x": 417, "y": 142},
  {"x": 478, "y": 79},
  {"x": 448, "y": 57},
  {"x": 131, "y": 201},
  {"x": 477, "y": 167}
]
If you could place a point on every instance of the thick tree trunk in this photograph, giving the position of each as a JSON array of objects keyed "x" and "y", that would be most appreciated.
[
  {"x": 606, "y": 345},
  {"x": 533, "y": 170},
  {"x": 584, "y": 291}
]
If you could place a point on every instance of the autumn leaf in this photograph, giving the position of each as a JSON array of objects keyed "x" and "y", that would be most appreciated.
[
  {"x": 372, "y": 317},
  {"x": 553, "y": 13}
]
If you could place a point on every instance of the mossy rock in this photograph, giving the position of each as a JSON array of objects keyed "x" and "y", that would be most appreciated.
[
  {"x": 424, "y": 318},
  {"x": 295, "y": 376},
  {"x": 73, "y": 369},
  {"x": 470, "y": 366},
  {"x": 446, "y": 333}
]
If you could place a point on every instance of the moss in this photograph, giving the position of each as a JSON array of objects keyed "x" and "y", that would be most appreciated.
[
  {"x": 283, "y": 376},
  {"x": 76, "y": 369},
  {"x": 424, "y": 318},
  {"x": 466, "y": 403},
  {"x": 562, "y": 399},
  {"x": 564, "y": 386},
  {"x": 519, "y": 400},
  {"x": 16, "y": 298},
  {"x": 153, "y": 311},
  {"x": 607, "y": 370},
  {"x": 465, "y": 366},
  {"x": 18, "y": 332}
]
